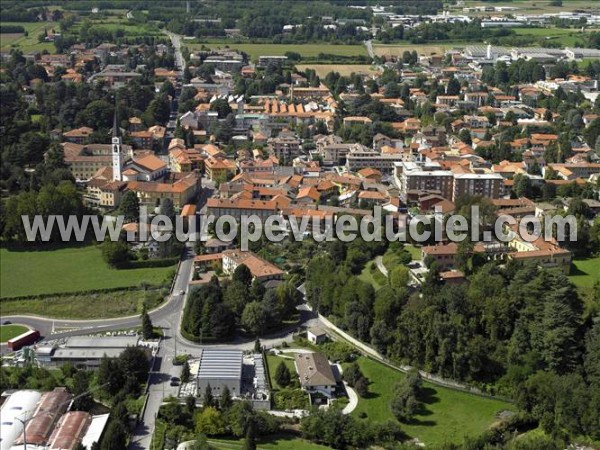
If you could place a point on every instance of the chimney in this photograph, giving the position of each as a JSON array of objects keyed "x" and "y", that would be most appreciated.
[{"x": 489, "y": 52}]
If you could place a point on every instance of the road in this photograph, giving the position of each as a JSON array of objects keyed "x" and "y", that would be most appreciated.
[
  {"x": 380, "y": 266},
  {"x": 176, "y": 42}
]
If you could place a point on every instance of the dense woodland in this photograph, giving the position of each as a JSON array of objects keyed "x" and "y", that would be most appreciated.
[{"x": 514, "y": 330}]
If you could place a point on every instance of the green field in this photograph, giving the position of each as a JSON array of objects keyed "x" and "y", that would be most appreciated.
[
  {"x": 585, "y": 272},
  {"x": 279, "y": 442},
  {"x": 84, "y": 306},
  {"x": 566, "y": 37},
  {"x": 306, "y": 50},
  {"x": 10, "y": 331},
  {"x": 448, "y": 416},
  {"x": 128, "y": 28},
  {"x": 28, "y": 44},
  {"x": 273, "y": 361},
  {"x": 373, "y": 276},
  {"x": 68, "y": 269}
]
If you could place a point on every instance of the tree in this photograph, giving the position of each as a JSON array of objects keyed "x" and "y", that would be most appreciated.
[
  {"x": 166, "y": 207},
  {"x": 257, "y": 346},
  {"x": 185, "y": 372},
  {"x": 130, "y": 207},
  {"x": 453, "y": 87},
  {"x": 282, "y": 375},
  {"x": 115, "y": 253},
  {"x": 81, "y": 383},
  {"x": 222, "y": 107},
  {"x": 352, "y": 374},
  {"x": 399, "y": 277},
  {"x": 250, "y": 439},
  {"x": 362, "y": 387},
  {"x": 210, "y": 422},
  {"x": 134, "y": 362},
  {"x": 242, "y": 273},
  {"x": 405, "y": 401},
  {"x": 208, "y": 399},
  {"x": 225, "y": 401},
  {"x": 254, "y": 318},
  {"x": 114, "y": 437},
  {"x": 147, "y": 327}
]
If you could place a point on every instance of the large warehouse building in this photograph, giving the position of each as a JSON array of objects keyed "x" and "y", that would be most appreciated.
[
  {"x": 219, "y": 368},
  {"x": 20, "y": 405},
  {"x": 49, "y": 410}
]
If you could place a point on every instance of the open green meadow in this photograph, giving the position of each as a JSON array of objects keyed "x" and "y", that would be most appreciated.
[
  {"x": 10, "y": 331},
  {"x": 306, "y": 50},
  {"x": 84, "y": 306},
  {"x": 448, "y": 416},
  {"x": 30, "y": 43},
  {"x": 278, "y": 442},
  {"x": 70, "y": 269},
  {"x": 565, "y": 36},
  {"x": 585, "y": 272},
  {"x": 371, "y": 274}
]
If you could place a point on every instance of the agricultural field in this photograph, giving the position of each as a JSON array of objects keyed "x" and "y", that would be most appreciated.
[
  {"x": 29, "y": 43},
  {"x": 306, "y": 50},
  {"x": 447, "y": 416},
  {"x": 566, "y": 37},
  {"x": 425, "y": 49},
  {"x": 342, "y": 69},
  {"x": 67, "y": 269},
  {"x": 10, "y": 331},
  {"x": 128, "y": 28}
]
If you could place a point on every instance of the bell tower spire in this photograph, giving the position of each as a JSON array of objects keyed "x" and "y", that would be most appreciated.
[{"x": 117, "y": 155}]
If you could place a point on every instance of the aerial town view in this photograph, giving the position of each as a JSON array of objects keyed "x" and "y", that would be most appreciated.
[{"x": 286, "y": 224}]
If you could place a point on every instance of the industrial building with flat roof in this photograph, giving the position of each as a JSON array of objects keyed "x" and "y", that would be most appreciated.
[
  {"x": 219, "y": 368},
  {"x": 87, "y": 350}
]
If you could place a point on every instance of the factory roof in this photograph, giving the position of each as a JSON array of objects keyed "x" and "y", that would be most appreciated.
[{"x": 219, "y": 363}]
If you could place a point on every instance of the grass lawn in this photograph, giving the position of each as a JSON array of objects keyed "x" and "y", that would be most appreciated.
[
  {"x": 273, "y": 361},
  {"x": 102, "y": 305},
  {"x": 373, "y": 276},
  {"x": 30, "y": 43},
  {"x": 10, "y": 331},
  {"x": 306, "y": 50},
  {"x": 343, "y": 69},
  {"x": 585, "y": 272},
  {"x": 69, "y": 269},
  {"x": 277, "y": 442},
  {"x": 448, "y": 415}
]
